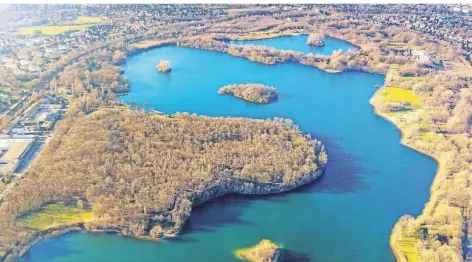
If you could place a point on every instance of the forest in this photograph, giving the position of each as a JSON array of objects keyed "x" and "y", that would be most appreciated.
[
  {"x": 256, "y": 93},
  {"x": 141, "y": 173},
  {"x": 436, "y": 121},
  {"x": 434, "y": 114}
]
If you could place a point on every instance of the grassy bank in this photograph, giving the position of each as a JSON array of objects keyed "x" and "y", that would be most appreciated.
[{"x": 54, "y": 215}]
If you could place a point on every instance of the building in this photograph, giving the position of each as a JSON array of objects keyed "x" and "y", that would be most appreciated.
[{"x": 12, "y": 151}]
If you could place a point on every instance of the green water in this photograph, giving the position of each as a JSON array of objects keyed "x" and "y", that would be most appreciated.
[{"x": 370, "y": 181}]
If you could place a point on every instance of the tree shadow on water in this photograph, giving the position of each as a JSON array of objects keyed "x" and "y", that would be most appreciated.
[
  {"x": 344, "y": 172},
  {"x": 219, "y": 212},
  {"x": 181, "y": 239},
  {"x": 289, "y": 255},
  {"x": 285, "y": 97},
  {"x": 50, "y": 249}
]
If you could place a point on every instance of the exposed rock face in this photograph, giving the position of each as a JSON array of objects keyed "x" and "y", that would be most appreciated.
[
  {"x": 315, "y": 40},
  {"x": 189, "y": 160},
  {"x": 164, "y": 66},
  {"x": 256, "y": 93}
]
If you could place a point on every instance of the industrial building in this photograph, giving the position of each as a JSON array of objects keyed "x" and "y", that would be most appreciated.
[{"x": 12, "y": 152}]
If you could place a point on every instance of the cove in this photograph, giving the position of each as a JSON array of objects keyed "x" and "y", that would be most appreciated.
[
  {"x": 346, "y": 215},
  {"x": 298, "y": 43}
]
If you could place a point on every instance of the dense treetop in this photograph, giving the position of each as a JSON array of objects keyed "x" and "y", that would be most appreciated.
[
  {"x": 256, "y": 93},
  {"x": 133, "y": 167}
]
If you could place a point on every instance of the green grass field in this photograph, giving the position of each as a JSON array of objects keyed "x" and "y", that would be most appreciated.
[
  {"x": 88, "y": 20},
  {"x": 5, "y": 89},
  {"x": 146, "y": 43},
  {"x": 81, "y": 23},
  {"x": 407, "y": 246},
  {"x": 413, "y": 78},
  {"x": 155, "y": 116},
  {"x": 54, "y": 215},
  {"x": 51, "y": 29},
  {"x": 396, "y": 94},
  {"x": 402, "y": 46}
]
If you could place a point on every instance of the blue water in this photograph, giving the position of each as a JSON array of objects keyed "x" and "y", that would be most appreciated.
[
  {"x": 347, "y": 215},
  {"x": 298, "y": 43}
]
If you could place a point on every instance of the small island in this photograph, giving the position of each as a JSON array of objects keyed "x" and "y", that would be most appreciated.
[
  {"x": 256, "y": 93},
  {"x": 164, "y": 66},
  {"x": 316, "y": 40},
  {"x": 264, "y": 251}
]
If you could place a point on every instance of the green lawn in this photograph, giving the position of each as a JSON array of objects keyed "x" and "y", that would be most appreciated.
[
  {"x": 146, "y": 43},
  {"x": 156, "y": 116},
  {"x": 52, "y": 29},
  {"x": 5, "y": 89},
  {"x": 81, "y": 23},
  {"x": 88, "y": 20},
  {"x": 407, "y": 246},
  {"x": 402, "y": 46},
  {"x": 54, "y": 215},
  {"x": 396, "y": 94}
]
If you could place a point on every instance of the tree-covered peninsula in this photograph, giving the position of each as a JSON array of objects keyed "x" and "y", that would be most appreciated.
[
  {"x": 140, "y": 174},
  {"x": 256, "y": 93}
]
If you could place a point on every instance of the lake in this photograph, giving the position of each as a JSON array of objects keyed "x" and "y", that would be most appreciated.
[
  {"x": 298, "y": 43},
  {"x": 346, "y": 215}
]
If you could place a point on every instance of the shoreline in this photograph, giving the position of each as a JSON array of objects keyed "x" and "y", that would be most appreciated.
[
  {"x": 27, "y": 244},
  {"x": 225, "y": 40},
  {"x": 316, "y": 175},
  {"x": 403, "y": 141}
]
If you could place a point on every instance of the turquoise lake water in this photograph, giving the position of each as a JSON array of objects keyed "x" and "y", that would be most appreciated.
[
  {"x": 346, "y": 215},
  {"x": 298, "y": 43}
]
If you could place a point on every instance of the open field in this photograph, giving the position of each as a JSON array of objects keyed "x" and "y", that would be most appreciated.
[
  {"x": 5, "y": 89},
  {"x": 88, "y": 20},
  {"x": 51, "y": 29},
  {"x": 54, "y": 215},
  {"x": 261, "y": 35},
  {"x": 81, "y": 23},
  {"x": 396, "y": 94},
  {"x": 413, "y": 78},
  {"x": 462, "y": 68},
  {"x": 402, "y": 46},
  {"x": 146, "y": 43},
  {"x": 258, "y": 35},
  {"x": 163, "y": 117},
  {"x": 407, "y": 247}
]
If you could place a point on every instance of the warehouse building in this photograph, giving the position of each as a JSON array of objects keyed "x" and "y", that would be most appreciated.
[{"x": 12, "y": 152}]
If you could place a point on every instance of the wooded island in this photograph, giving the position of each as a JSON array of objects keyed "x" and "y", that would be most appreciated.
[{"x": 256, "y": 93}]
